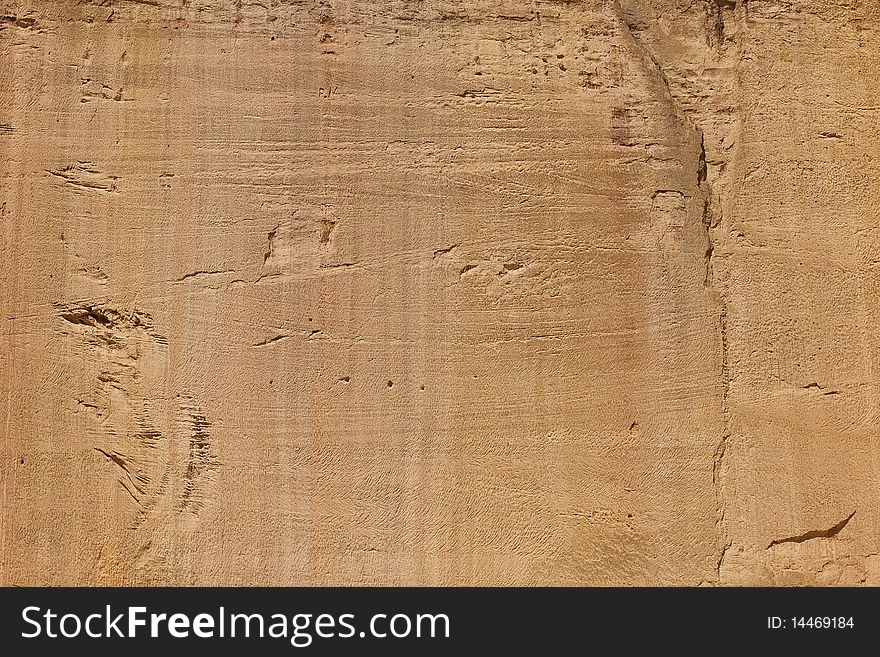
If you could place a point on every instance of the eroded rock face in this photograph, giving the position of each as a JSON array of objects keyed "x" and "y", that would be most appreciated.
[{"x": 422, "y": 292}]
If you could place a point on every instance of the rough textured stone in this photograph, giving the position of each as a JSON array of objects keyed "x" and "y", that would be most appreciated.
[{"x": 424, "y": 292}]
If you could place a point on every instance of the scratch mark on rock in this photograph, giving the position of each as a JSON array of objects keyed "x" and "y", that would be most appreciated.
[
  {"x": 831, "y": 532},
  {"x": 277, "y": 338},
  {"x": 123, "y": 464},
  {"x": 201, "y": 463},
  {"x": 446, "y": 251},
  {"x": 110, "y": 321},
  {"x": 341, "y": 265},
  {"x": 84, "y": 176},
  {"x": 202, "y": 273},
  {"x": 817, "y": 387}
]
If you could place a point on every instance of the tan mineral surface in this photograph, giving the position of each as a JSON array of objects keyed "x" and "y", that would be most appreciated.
[{"x": 428, "y": 292}]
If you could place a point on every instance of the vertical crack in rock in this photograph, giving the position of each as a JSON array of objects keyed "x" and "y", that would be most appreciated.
[{"x": 710, "y": 182}]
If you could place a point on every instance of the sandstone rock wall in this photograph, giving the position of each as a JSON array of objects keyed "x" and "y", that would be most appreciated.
[{"x": 425, "y": 292}]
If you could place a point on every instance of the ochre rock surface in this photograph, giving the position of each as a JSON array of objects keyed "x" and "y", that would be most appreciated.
[{"x": 434, "y": 292}]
